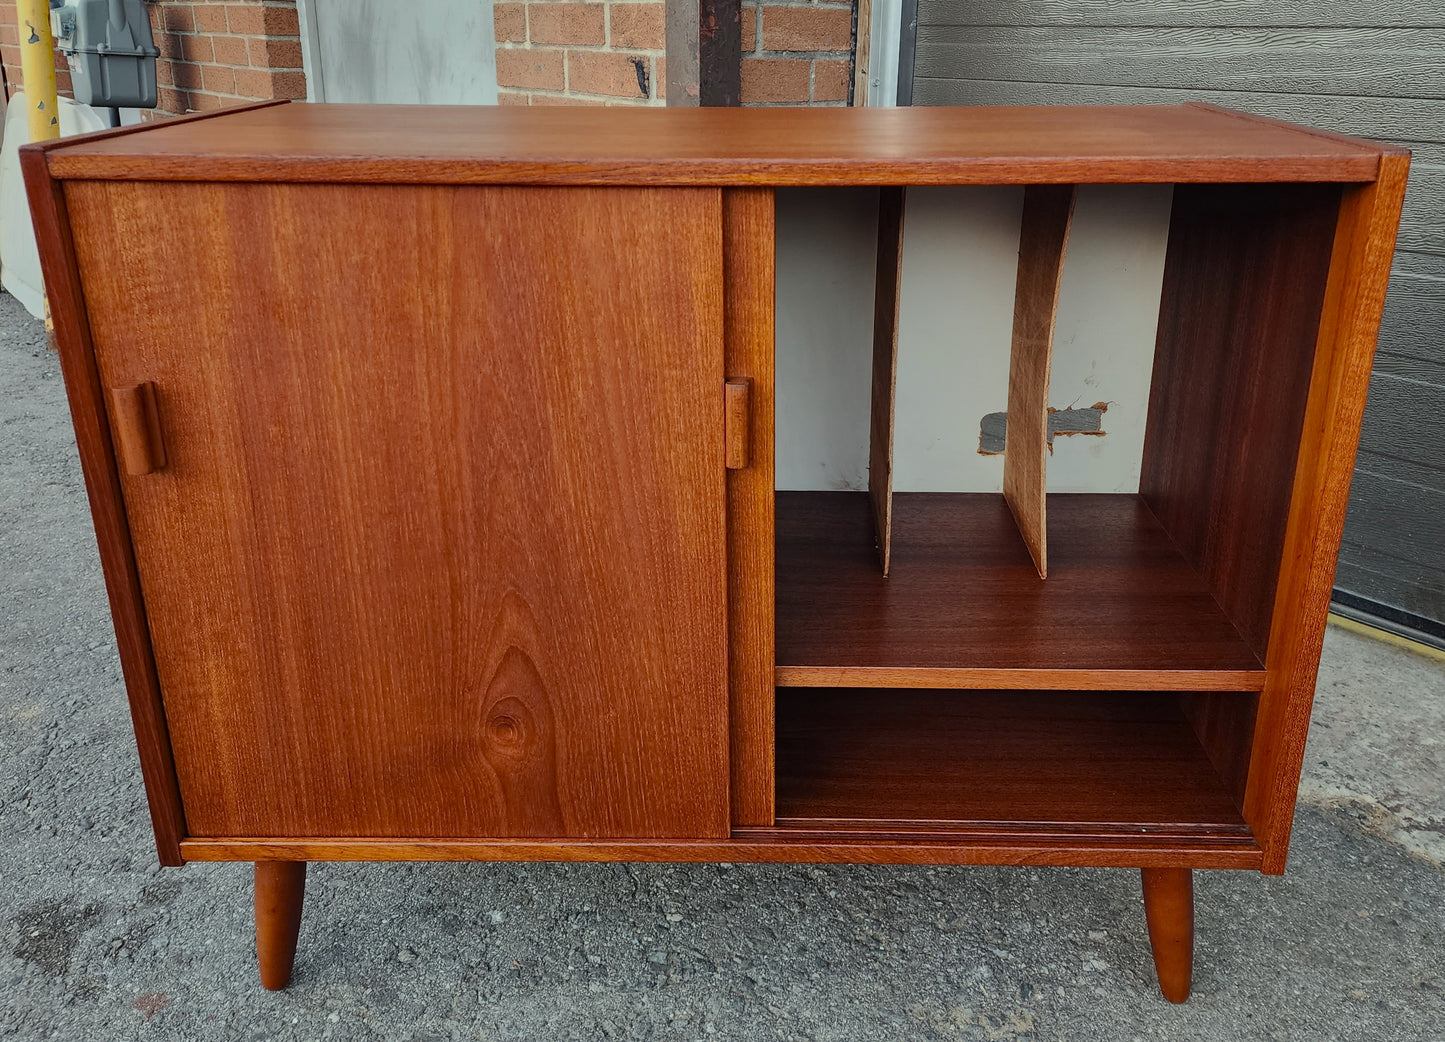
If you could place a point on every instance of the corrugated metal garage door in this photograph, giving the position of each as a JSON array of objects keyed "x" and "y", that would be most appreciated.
[{"x": 1370, "y": 67}]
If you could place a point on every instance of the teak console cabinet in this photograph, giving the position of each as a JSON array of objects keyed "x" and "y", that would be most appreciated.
[{"x": 431, "y": 457}]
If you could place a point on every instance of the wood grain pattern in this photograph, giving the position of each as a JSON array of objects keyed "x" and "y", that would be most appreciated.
[
  {"x": 84, "y": 391},
  {"x": 1048, "y": 212},
  {"x": 1244, "y": 281},
  {"x": 1224, "y": 725},
  {"x": 280, "y": 892},
  {"x": 737, "y": 422},
  {"x": 765, "y": 845},
  {"x": 748, "y": 263},
  {"x": 1354, "y": 300},
  {"x": 722, "y": 146},
  {"x": 964, "y": 607},
  {"x": 1169, "y": 911},
  {"x": 476, "y": 587},
  {"x": 136, "y": 422},
  {"x": 871, "y": 759},
  {"x": 887, "y": 296}
]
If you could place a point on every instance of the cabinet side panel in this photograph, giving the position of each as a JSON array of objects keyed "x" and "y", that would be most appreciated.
[
  {"x": 1363, "y": 246},
  {"x": 748, "y": 260},
  {"x": 1244, "y": 280},
  {"x": 86, "y": 395},
  {"x": 438, "y": 545}
]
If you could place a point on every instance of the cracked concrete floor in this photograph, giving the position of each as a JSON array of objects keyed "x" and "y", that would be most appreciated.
[{"x": 97, "y": 942}]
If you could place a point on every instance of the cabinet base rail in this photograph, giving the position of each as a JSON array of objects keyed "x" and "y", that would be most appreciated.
[{"x": 773, "y": 846}]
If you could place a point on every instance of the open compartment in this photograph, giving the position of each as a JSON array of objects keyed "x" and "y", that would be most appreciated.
[
  {"x": 1164, "y": 581},
  {"x": 1086, "y": 762}
]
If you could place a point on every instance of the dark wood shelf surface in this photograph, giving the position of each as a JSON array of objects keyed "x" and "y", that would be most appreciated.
[
  {"x": 963, "y": 605},
  {"x": 1062, "y": 763}
]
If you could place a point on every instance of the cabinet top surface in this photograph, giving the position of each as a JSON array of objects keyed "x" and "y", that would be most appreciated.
[{"x": 720, "y": 146}]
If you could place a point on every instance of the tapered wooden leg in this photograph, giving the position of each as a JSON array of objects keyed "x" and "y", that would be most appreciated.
[
  {"x": 1169, "y": 909},
  {"x": 280, "y": 888}
]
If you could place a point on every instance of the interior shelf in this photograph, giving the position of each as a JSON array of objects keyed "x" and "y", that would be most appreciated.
[
  {"x": 963, "y": 605},
  {"x": 948, "y": 761}
]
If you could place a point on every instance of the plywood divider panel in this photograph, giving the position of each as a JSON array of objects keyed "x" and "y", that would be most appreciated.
[
  {"x": 748, "y": 238},
  {"x": 891, "y": 203},
  {"x": 1354, "y": 299},
  {"x": 1043, "y": 240}
]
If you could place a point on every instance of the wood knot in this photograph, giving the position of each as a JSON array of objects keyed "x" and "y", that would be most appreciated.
[{"x": 509, "y": 726}]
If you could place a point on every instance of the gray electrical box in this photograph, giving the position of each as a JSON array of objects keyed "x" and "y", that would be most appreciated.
[{"x": 110, "y": 51}]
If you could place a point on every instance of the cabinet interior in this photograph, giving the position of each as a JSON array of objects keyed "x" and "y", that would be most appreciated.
[{"x": 973, "y": 661}]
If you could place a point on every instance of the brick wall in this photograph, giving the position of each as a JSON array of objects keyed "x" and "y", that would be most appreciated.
[
  {"x": 559, "y": 52},
  {"x": 213, "y": 53},
  {"x": 798, "y": 53}
]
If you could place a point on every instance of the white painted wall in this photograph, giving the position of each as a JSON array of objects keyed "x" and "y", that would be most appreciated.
[
  {"x": 960, "y": 256},
  {"x": 421, "y": 52}
]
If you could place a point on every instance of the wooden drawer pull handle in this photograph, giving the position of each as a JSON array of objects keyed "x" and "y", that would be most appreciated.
[
  {"x": 137, "y": 428},
  {"x": 737, "y": 422}
]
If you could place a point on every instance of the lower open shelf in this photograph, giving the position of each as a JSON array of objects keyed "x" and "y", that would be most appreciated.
[{"x": 1065, "y": 763}]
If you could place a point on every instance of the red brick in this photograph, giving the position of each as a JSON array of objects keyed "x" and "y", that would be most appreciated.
[
  {"x": 750, "y": 29},
  {"x": 263, "y": 20},
  {"x": 169, "y": 44},
  {"x": 509, "y": 21},
  {"x": 210, "y": 18},
  {"x": 603, "y": 72},
  {"x": 637, "y": 26},
  {"x": 163, "y": 74},
  {"x": 10, "y": 34},
  {"x": 177, "y": 18},
  {"x": 774, "y": 79},
  {"x": 171, "y": 101},
  {"x": 245, "y": 18},
  {"x": 807, "y": 29},
  {"x": 831, "y": 79},
  {"x": 567, "y": 23},
  {"x": 255, "y": 83},
  {"x": 197, "y": 48},
  {"x": 230, "y": 50},
  {"x": 507, "y": 97},
  {"x": 275, "y": 54},
  {"x": 204, "y": 102},
  {"x": 544, "y": 69},
  {"x": 218, "y": 79},
  {"x": 186, "y": 75},
  {"x": 290, "y": 84}
]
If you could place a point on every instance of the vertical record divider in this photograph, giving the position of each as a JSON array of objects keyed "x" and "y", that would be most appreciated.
[
  {"x": 885, "y": 367},
  {"x": 1048, "y": 212}
]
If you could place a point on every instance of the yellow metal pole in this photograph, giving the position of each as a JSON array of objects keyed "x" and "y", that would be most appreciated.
[{"x": 37, "y": 67}]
